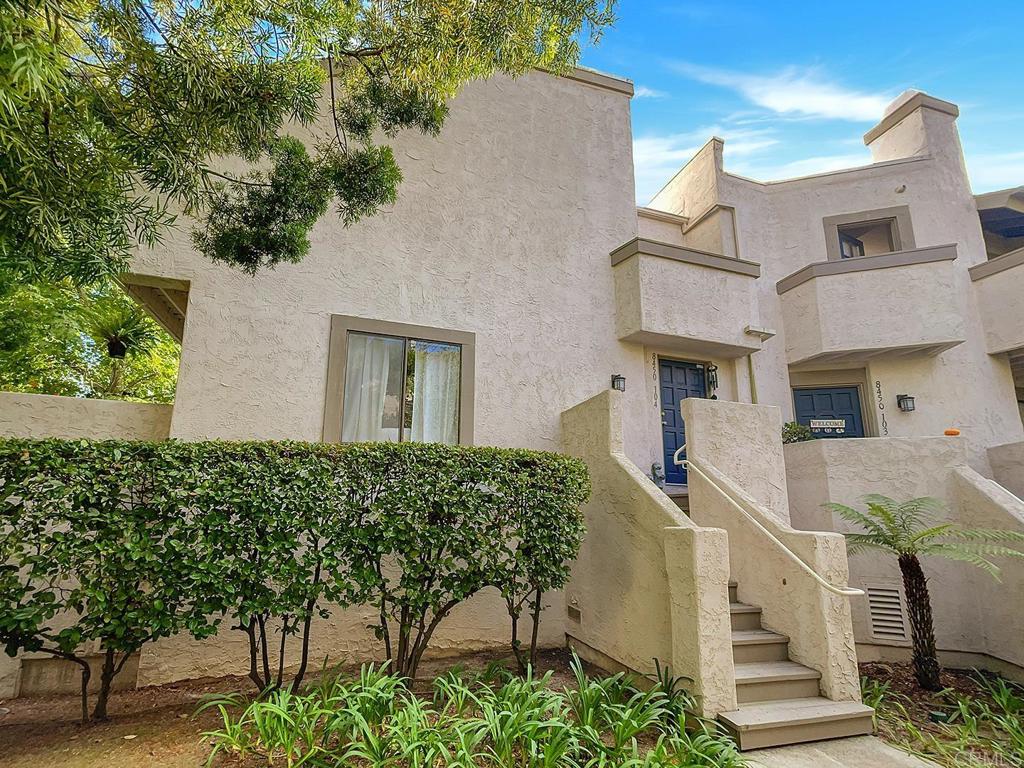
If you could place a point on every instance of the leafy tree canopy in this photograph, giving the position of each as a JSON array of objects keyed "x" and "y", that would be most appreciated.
[
  {"x": 116, "y": 113},
  {"x": 55, "y": 339}
]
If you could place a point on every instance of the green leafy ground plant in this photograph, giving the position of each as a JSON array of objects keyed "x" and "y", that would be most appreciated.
[
  {"x": 954, "y": 728},
  {"x": 523, "y": 722}
]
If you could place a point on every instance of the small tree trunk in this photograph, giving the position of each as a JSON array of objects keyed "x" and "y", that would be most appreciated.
[
  {"x": 254, "y": 675},
  {"x": 536, "y": 627},
  {"x": 106, "y": 678},
  {"x": 86, "y": 675},
  {"x": 922, "y": 630},
  {"x": 517, "y": 646}
]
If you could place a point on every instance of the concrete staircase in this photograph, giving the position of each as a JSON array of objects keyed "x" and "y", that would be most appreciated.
[{"x": 779, "y": 699}]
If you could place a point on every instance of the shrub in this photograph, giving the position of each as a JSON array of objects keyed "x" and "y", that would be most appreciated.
[
  {"x": 794, "y": 432},
  {"x": 126, "y": 542},
  {"x": 80, "y": 536}
]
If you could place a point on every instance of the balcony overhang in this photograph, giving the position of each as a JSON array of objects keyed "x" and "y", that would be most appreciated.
[
  {"x": 847, "y": 312},
  {"x": 999, "y": 286},
  {"x": 1002, "y": 212},
  {"x": 688, "y": 301},
  {"x": 165, "y": 299}
]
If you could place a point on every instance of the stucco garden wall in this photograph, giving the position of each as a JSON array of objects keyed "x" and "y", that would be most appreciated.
[
  {"x": 1008, "y": 467},
  {"x": 978, "y": 621},
  {"x": 25, "y": 415}
]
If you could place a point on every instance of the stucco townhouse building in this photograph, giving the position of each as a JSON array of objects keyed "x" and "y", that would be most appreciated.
[{"x": 515, "y": 295}]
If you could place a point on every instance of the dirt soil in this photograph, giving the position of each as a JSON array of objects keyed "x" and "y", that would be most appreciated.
[{"x": 154, "y": 727}]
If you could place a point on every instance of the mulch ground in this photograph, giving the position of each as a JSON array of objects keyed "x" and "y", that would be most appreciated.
[
  {"x": 154, "y": 727},
  {"x": 924, "y": 707}
]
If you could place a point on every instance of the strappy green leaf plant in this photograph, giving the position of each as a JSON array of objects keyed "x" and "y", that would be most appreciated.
[
  {"x": 470, "y": 723},
  {"x": 919, "y": 528}
]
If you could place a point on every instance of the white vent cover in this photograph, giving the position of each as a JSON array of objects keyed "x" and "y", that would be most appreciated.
[{"x": 885, "y": 607}]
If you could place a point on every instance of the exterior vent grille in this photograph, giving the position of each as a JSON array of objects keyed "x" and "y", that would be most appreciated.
[{"x": 885, "y": 607}]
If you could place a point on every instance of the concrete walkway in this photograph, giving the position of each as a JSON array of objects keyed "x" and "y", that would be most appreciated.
[{"x": 859, "y": 752}]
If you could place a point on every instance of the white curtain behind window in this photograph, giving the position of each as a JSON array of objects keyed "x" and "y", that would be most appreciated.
[
  {"x": 366, "y": 381},
  {"x": 435, "y": 402}
]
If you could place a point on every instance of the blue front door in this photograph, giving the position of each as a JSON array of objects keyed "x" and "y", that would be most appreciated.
[
  {"x": 678, "y": 381},
  {"x": 830, "y": 411}
]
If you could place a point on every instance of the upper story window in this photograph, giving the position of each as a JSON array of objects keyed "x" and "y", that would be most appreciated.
[
  {"x": 868, "y": 233},
  {"x": 868, "y": 238},
  {"x": 393, "y": 382}
]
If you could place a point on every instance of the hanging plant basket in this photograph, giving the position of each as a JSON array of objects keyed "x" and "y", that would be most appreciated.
[{"x": 116, "y": 348}]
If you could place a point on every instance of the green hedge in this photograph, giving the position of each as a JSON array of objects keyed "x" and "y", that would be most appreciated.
[{"x": 143, "y": 540}]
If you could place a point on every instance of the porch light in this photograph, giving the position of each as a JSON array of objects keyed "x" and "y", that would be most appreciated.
[
  {"x": 905, "y": 403},
  {"x": 619, "y": 382},
  {"x": 712, "y": 374}
]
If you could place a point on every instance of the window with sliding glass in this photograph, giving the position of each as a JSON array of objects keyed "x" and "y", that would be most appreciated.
[{"x": 394, "y": 382}]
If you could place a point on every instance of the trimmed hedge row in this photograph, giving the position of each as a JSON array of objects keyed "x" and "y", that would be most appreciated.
[{"x": 133, "y": 541}]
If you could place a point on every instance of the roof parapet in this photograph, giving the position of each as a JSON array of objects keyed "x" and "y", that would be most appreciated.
[{"x": 906, "y": 104}]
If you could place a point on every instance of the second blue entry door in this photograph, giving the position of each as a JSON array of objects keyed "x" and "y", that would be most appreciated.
[
  {"x": 678, "y": 380},
  {"x": 830, "y": 412}
]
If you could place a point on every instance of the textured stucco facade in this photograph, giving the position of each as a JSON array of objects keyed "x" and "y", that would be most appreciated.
[
  {"x": 518, "y": 226},
  {"x": 735, "y": 444},
  {"x": 502, "y": 229}
]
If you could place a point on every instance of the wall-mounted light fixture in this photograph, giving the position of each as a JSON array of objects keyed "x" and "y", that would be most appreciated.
[
  {"x": 619, "y": 382},
  {"x": 712, "y": 376},
  {"x": 905, "y": 403}
]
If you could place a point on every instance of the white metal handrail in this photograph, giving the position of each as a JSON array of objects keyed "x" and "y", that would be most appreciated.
[{"x": 843, "y": 591}]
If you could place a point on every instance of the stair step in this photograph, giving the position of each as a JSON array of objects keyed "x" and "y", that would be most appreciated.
[
  {"x": 744, "y": 616},
  {"x": 754, "y": 645},
  {"x": 794, "y": 721},
  {"x": 732, "y": 592},
  {"x": 774, "y": 681}
]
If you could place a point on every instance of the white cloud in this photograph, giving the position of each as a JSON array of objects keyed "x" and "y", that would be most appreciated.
[
  {"x": 989, "y": 171},
  {"x": 657, "y": 158},
  {"x": 793, "y": 91},
  {"x": 803, "y": 167},
  {"x": 643, "y": 92}
]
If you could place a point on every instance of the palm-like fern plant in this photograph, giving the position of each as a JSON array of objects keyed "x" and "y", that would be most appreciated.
[
  {"x": 123, "y": 328},
  {"x": 914, "y": 529}
]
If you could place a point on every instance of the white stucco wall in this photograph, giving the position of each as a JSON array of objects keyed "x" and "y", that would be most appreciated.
[
  {"x": 1008, "y": 467},
  {"x": 737, "y": 447},
  {"x": 919, "y": 164},
  {"x": 695, "y": 307},
  {"x": 502, "y": 228},
  {"x": 649, "y": 583},
  {"x": 24, "y": 415},
  {"x": 1004, "y": 330}
]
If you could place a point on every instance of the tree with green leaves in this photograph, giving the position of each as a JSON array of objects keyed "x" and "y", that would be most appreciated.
[
  {"x": 117, "y": 116},
  {"x": 912, "y": 530},
  {"x": 91, "y": 341}
]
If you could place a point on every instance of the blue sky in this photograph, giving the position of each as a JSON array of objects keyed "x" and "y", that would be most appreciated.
[{"x": 793, "y": 86}]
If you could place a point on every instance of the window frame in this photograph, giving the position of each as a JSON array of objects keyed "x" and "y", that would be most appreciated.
[
  {"x": 901, "y": 229},
  {"x": 337, "y": 362}
]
